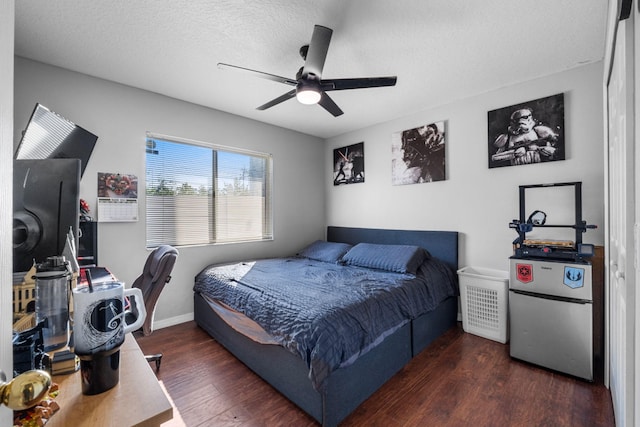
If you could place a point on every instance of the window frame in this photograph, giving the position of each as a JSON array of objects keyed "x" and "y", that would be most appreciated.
[{"x": 213, "y": 239}]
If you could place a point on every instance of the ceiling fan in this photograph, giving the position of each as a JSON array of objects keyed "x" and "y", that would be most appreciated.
[{"x": 310, "y": 88}]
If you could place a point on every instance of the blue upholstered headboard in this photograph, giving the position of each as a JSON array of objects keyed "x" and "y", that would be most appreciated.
[{"x": 440, "y": 244}]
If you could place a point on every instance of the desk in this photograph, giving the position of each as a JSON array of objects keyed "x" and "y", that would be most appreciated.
[{"x": 137, "y": 399}]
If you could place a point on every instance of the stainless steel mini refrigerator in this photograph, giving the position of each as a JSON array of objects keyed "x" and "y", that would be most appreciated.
[{"x": 550, "y": 314}]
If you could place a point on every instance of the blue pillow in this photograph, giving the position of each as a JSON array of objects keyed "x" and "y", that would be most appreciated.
[
  {"x": 321, "y": 250},
  {"x": 394, "y": 258}
]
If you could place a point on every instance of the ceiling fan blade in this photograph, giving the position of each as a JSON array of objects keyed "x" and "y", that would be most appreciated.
[
  {"x": 317, "y": 53},
  {"x": 327, "y": 103},
  {"x": 260, "y": 74},
  {"x": 278, "y": 100},
  {"x": 358, "y": 83}
]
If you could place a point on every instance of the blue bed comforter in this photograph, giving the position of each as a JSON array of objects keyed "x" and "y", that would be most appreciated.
[{"x": 326, "y": 313}]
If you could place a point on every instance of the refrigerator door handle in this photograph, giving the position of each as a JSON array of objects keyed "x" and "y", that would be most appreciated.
[{"x": 551, "y": 297}]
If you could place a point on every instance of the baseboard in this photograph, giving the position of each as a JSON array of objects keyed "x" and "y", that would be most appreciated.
[{"x": 165, "y": 323}]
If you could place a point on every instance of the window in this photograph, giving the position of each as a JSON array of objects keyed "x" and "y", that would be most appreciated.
[{"x": 197, "y": 193}]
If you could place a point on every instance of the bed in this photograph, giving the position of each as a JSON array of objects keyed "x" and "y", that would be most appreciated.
[{"x": 329, "y": 390}]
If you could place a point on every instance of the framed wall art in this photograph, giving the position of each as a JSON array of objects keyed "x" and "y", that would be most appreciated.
[
  {"x": 348, "y": 164},
  {"x": 418, "y": 154},
  {"x": 527, "y": 133}
]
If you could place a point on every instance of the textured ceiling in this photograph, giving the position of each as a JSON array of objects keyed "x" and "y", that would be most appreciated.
[{"x": 441, "y": 50}]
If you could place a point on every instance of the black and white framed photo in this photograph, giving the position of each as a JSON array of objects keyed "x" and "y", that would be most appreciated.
[
  {"x": 418, "y": 154},
  {"x": 348, "y": 164},
  {"x": 527, "y": 133}
]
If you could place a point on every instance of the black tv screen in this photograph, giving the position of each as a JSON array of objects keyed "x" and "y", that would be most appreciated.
[
  {"x": 50, "y": 136},
  {"x": 46, "y": 206}
]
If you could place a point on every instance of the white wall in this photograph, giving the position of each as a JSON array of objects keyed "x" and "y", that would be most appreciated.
[
  {"x": 474, "y": 200},
  {"x": 120, "y": 116},
  {"x": 7, "y": 13},
  {"x": 477, "y": 201}
]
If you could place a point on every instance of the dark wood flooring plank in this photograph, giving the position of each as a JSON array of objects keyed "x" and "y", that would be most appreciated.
[{"x": 460, "y": 380}]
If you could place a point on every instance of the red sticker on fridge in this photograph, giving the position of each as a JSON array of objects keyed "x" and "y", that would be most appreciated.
[{"x": 524, "y": 273}]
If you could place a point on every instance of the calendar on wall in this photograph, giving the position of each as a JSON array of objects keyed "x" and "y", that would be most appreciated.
[{"x": 117, "y": 197}]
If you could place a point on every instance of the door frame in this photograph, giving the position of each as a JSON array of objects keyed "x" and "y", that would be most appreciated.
[{"x": 631, "y": 394}]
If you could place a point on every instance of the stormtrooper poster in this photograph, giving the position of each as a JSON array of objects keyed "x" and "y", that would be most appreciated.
[
  {"x": 348, "y": 164},
  {"x": 527, "y": 133},
  {"x": 418, "y": 155}
]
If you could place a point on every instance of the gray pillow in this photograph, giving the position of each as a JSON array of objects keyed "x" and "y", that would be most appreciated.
[
  {"x": 321, "y": 250},
  {"x": 394, "y": 258}
]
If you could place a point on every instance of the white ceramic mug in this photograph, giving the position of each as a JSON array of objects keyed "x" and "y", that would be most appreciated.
[{"x": 99, "y": 317}]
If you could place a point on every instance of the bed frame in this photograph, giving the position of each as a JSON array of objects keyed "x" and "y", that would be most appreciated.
[{"x": 349, "y": 386}]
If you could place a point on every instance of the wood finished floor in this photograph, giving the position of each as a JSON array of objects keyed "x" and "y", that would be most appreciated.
[{"x": 460, "y": 380}]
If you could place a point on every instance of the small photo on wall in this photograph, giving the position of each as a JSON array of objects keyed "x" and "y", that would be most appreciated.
[
  {"x": 348, "y": 164},
  {"x": 418, "y": 155},
  {"x": 527, "y": 133}
]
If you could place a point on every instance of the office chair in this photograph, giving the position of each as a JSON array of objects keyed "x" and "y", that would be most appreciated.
[{"x": 155, "y": 274}]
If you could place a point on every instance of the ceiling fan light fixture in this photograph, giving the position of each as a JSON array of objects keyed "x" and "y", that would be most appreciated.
[
  {"x": 308, "y": 96},
  {"x": 308, "y": 93}
]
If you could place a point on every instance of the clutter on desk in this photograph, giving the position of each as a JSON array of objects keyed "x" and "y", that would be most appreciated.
[
  {"x": 53, "y": 293},
  {"x": 64, "y": 362},
  {"x": 99, "y": 329},
  {"x": 39, "y": 414},
  {"x": 28, "y": 350}
]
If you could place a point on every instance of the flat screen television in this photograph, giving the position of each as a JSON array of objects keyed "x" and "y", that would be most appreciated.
[
  {"x": 50, "y": 136},
  {"x": 46, "y": 205}
]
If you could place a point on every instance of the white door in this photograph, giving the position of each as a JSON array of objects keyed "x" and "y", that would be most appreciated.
[
  {"x": 620, "y": 102},
  {"x": 636, "y": 82}
]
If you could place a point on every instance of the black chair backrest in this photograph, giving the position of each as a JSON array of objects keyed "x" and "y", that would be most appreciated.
[{"x": 155, "y": 275}]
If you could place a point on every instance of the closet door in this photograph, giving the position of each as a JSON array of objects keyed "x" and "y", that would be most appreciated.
[{"x": 622, "y": 211}]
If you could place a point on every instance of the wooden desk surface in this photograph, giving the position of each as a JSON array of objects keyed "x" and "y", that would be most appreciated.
[{"x": 137, "y": 399}]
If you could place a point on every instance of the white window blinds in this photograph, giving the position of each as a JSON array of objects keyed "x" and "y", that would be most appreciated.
[{"x": 200, "y": 194}]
